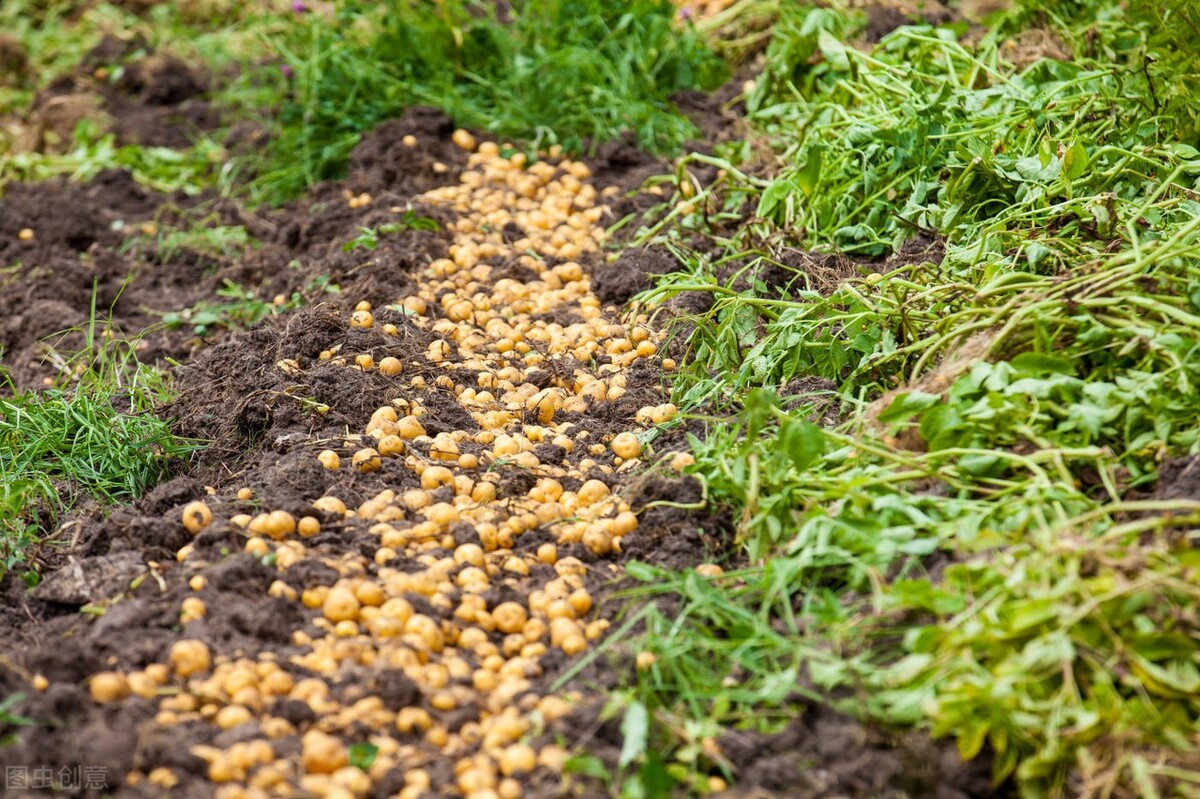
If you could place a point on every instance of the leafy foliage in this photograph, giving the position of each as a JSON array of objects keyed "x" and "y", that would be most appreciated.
[{"x": 1002, "y": 412}]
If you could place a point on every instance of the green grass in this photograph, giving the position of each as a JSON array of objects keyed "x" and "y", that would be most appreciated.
[
  {"x": 95, "y": 435},
  {"x": 1005, "y": 412},
  {"x": 614, "y": 65},
  {"x": 10, "y": 718}
]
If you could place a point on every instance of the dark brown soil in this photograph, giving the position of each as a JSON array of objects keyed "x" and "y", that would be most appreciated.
[
  {"x": 823, "y": 754},
  {"x": 633, "y": 272},
  {"x": 157, "y": 100},
  {"x": 820, "y": 754},
  {"x": 885, "y": 17},
  {"x": 1179, "y": 478},
  {"x": 91, "y": 236},
  {"x": 719, "y": 116}
]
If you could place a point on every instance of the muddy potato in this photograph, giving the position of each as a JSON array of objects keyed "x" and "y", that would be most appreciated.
[
  {"x": 196, "y": 516},
  {"x": 366, "y": 460}
]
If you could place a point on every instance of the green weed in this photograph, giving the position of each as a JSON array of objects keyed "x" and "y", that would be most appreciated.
[
  {"x": 220, "y": 242},
  {"x": 224, "y": 47},
  {"x": 1006, "y": 409},
  {"x": 368, "y": 238},
  {"x": 159, "y": 168},
  {"x": 240, "y": 307}
]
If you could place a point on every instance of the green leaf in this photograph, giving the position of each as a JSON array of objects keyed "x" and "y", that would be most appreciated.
[
  {"x": 777, "y": 200},
  {"x": 1025, "y": 614},
  {"x": 980, "y": 464},
  {"x": 1075, "y": 161},
  {"x": 635, "y": 728},
  {"x": 803, "y": 441},
  {"x": 1176, "y": 679},
  {"x": 941, "y": 427},
  {"x": 206, "y": 317},
  {"x": 644, "y": 572},
  {"x": 1163, "y": 646},
  {"x": 1035, "y": 253},
  {"x": 907, "y": 405},
  {"x": 971, "y": 738},
  {"x": 833, "y": 50},
  {"x": 829, "y": 673},
  {"x": 924, "y": 595},
  {"x": 654, "y": 779},
  {"x": 1040, "y": 363},
  {"x": 808, "y": 176},
  {"x": 362, "y": 755},
  {"x": 587, "y": 766},
  {"x": 1052, "y": 652}
]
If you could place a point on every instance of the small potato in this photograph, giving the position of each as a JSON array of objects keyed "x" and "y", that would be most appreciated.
[
  {"x": 190, "y": 657},
  {"x": 626, "y": 445},
  {"x": 681, "y": 461},
  {"x": 321, "y": 753},
  {"x": 391, "y": 446},
  {"x": 592, "y": 492},
  {"x": 366, "y": 460},
  {"x": 308, "y": 526},
  {"x": 280, "y": 524},
  {"x": 463, "y": 140},
  {"x": 510, "y": 617},
  {"x": 196, "y": 516},
  {"x": 191, "y": 609},
  {"x": 108, "y": 686},
  {"x": 518, "y": 759},
  {"x": 341, "y": 605}
]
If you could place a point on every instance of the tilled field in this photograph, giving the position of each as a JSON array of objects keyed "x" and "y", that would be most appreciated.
[
  {"x": 417, "y": 495},
  {"x": 828, "y": 428}
]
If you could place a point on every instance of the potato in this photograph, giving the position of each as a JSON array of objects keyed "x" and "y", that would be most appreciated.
[
  {"x": 196, "y": 516},
  {"x": 366, "y": 460},
  {"x": 190, "y": 657},
  {"x": 108, "y": 686},
  {"x": 626, "y": 445}
]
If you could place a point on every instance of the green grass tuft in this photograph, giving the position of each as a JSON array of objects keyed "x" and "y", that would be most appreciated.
[{"x": 97, "y": 435}]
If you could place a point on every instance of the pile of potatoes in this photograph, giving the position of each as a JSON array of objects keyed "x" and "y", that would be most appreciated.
[{"x": 445, "y": 545}]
